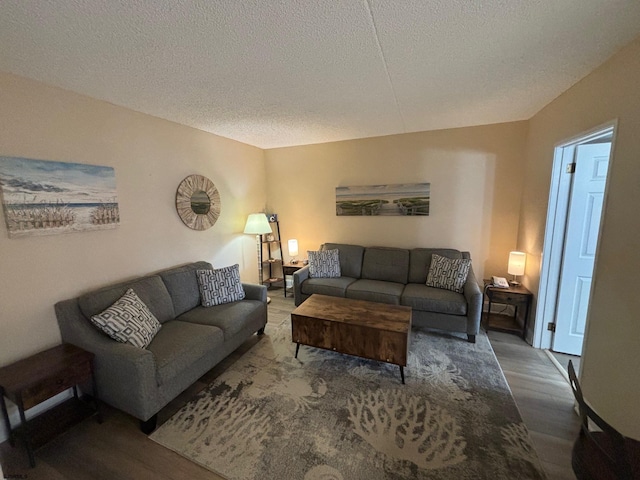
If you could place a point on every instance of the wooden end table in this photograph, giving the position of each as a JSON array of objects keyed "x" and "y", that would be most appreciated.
[
  {"x": 37, "y": 378},
  {"x": 372, "y": 330},
  {"x": 515, "y": 295},
  {"x": 290, "y": 269}
]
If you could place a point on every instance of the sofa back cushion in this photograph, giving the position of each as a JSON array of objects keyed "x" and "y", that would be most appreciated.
[
  {"x": 350, "y": 258},
  {"x": 182, "y": 284},
  {"x": 389, "y": 264},
  {"x": 150, "y": 290},
  {"x": 420, "y": 261}
]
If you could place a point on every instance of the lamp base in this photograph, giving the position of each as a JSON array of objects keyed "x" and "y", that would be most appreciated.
[{"x": 513, "y": 283}]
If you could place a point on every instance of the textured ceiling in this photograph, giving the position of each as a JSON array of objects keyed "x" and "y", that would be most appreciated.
[{"x": 276, "y": 73}]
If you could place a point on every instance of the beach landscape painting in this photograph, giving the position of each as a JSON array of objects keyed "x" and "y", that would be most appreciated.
[
  {"x": 46, "y": 197},
  {"x": 406, "y": 199}
]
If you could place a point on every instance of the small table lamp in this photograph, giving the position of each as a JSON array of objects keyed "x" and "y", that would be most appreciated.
[
  {"x": 257, "y": 224},
  {"x": 516, "y": 265},
  {"x": 293, "y": 250}
]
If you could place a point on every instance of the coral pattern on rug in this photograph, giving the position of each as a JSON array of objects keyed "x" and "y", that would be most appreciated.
[
  {"x": 407, "y": 428},
  {"x": 327, "y": 416}
]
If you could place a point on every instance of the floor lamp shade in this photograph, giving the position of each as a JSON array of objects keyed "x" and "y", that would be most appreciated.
[{"x": 257, "y": 224}]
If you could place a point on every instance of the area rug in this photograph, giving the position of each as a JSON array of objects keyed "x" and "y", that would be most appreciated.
[{"x": 327, "y": 416}]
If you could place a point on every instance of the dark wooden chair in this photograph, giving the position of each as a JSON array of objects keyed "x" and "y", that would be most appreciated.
[{"x": 602, "y": 453}]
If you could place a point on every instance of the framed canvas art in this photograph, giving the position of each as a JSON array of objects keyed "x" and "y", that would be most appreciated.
[
  {"x": 45, "y": 197},
  {"x": 406, "y": 199}
]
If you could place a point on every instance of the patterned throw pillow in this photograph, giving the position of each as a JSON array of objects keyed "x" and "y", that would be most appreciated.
[
  {"x": 448, "y": 273},
  {"x": 324, "y": 264},
  {"x": 221, "y": 285},
  {"x": 128, "y": 320}
]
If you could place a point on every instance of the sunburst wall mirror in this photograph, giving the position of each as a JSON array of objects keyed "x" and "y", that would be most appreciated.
[{"x": 198, "y": 202}]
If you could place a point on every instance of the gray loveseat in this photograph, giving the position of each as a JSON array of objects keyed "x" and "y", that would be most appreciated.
[
  {"x": 398, "y": 276},
  {"x": 192, "y": 340}
]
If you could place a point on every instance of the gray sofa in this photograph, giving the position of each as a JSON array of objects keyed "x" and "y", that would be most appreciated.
[
  {"x": 398, "y": 276},
  {"x": 192, "y": 340}
]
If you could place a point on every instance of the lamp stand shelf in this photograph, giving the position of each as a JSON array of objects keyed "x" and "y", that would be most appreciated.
[{"x": 271, "y": 273}]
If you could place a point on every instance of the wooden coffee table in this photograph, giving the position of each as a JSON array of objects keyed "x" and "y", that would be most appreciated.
[{"x": 376, "y": 331}]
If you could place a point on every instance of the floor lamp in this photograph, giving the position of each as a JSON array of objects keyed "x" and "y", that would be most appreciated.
[{"x": 257, "y": 224}]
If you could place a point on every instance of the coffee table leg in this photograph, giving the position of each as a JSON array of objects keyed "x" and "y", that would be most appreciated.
[
  {"x": 402, "y": 373},
  {"x": 297, "y": 348}
]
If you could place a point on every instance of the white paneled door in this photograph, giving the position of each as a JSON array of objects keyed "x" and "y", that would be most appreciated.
[{"x": 583, "y": 226}]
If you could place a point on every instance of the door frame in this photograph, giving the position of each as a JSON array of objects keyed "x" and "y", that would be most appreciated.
[{"x": 555, "y": 227}]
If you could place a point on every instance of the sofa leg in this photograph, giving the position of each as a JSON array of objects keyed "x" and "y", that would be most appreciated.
[
  {"x": 150, "y": 425},
  {"x": 261, "y": 331},
  {"x": 471, "y": 338}
]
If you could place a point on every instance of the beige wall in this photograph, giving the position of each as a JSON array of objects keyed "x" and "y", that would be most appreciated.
[
  {"x": 476, "y": 177},
  {"x": 612, "y": 344},
  {"x": 150, "y": 157}
]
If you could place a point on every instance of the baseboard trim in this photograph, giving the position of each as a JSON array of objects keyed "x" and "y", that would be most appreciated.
[{"x": 557, "y": 364}]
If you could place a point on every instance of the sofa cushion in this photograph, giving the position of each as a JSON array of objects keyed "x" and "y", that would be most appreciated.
[
  {"x": 447, "y": 273},
  {"x": 336, "y": 287},
  {"x": 182, "y": 285},
  {"x": 420, "y": 261},
  {"x": 387, "y": 264},
  {"x": 230, "y": 317},
  {"x": 181, "y": 344},
  {"x": 376, "y": 291},
  {"x": 431, "y": 299},
  {"x": 220, "y": 285},
  {"x": 151, "y": 290},
  {"x": 350, "y": 258},
  {"x": 128, "y": 320},
  {"x": 324, "y": 264}
]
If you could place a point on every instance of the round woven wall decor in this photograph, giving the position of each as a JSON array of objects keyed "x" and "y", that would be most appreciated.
[{"x": 198, "y": 202}]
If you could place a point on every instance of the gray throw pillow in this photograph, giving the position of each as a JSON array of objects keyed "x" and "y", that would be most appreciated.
[
  {"x": 128, "y": 320},
  {"x": 447, "y": 273},
  {"x": 324, "y": 264},
  {"x": 220, "y": 285}
]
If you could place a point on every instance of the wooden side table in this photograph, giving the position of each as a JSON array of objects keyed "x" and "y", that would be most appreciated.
[
  {"x": 290, "y": 269},
  {"x": 37, "y": 378},
  {"x": 519, "y": 297}
]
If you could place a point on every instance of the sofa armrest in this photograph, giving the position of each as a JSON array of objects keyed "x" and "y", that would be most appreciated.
[
  {"x": 299, "y": 276},
  {"x": 253, "y": 291},
  {"x": 125, "y": 375},
  {"x": 473, "y": 295}
]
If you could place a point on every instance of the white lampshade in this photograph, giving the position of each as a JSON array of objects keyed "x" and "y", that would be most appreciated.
[
  {"x": 516, "y": 263},
  {"x": 293, "y": 247},
  {"x": 257, "y": 224}
]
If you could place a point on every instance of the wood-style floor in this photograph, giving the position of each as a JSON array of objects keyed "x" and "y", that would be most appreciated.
[
  {"x": 544, "y": 399},
  {"x": 116, "y": 449}
]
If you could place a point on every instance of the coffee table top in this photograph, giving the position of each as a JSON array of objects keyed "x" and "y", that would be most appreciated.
[{"x": 382, "y": 316}]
